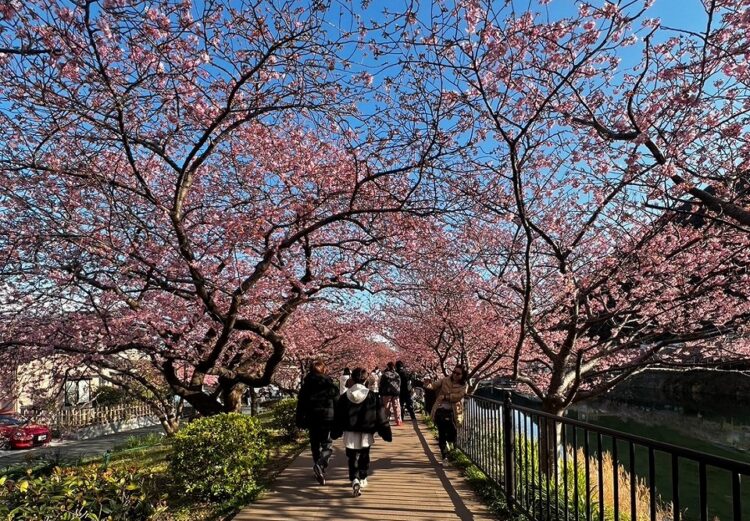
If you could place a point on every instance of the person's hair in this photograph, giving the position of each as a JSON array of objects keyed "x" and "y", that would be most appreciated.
[
  {"x": 359, "y": 375},
  {"x": 399, "y": 364},
  {"x": 346, "y": 370},
  {"x": 318, "y": 366},
  {"x": 389, "y": 366},
  {"x": 374, "y": 369},
  {"x": 464, "y": 374}
]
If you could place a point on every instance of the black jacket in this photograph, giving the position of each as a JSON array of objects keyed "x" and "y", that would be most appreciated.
[
  {"x": 315, "y": 403},
  {"x": 361, "y": 415},
  {"x": 406, "y": 382},
  {"x": 390, "y": 384}
]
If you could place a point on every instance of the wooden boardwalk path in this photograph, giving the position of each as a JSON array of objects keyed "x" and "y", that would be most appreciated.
[{"x": 406, "y": 483}]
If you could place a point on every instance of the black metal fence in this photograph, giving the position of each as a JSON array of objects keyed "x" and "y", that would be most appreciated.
[{"x": 551, "y": 467}]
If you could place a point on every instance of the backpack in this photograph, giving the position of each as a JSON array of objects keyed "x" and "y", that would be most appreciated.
[{"x": 390, "y": 384}]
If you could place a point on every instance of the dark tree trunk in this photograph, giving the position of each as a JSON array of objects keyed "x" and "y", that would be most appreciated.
[{"x": 550, "y": 432}]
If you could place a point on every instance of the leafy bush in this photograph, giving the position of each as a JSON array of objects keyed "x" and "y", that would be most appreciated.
[
  {"x": 283, "y": 417},
  {"x": 107, "y": 396},
  {"x": 77, "y": 493},
  {"x": 217, "y": 458}
]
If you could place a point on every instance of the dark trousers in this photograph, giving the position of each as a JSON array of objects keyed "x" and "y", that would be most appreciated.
[
  {"x": 320, "y": 444},
  {"x": 407, "y": 405},
  {"x": 359, "y": 462},
  {"x": 446, "y": 429}
]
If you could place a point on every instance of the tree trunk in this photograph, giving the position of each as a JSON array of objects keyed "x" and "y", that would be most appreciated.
[
  {"x": 233, "y": 398},
  {"x": 550, "y": 432},
  {"x": 253, "y": 401},
  {"x": 170, "y": 424}
]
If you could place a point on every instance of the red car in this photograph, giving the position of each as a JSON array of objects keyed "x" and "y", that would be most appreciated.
[{"x": 17, "y": 433}]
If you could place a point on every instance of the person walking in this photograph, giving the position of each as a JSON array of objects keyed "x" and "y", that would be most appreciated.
[
  {"x": 390, "y": 389},
  {"x": 405, "y": 400},
  {"x": 358, "y": 416},
  {"x": 373, "y": 381},
  {"x": 448, "y": 411},
  {"x": 343, "y": 379},
  {"x": 315, "y": 412}
]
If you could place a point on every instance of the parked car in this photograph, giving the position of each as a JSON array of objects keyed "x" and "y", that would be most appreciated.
[{"x": 19, "y": 433}]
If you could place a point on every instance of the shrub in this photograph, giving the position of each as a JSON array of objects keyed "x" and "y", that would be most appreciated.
[
  {"x": 107, "y": 396},
  {"x": 217, "y": 458},
  {"x": 77, "y": 493},
  {"x": 283, "y": 416}
]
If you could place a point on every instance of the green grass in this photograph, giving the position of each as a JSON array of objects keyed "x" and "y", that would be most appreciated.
[{"x": 490, "y": 494}]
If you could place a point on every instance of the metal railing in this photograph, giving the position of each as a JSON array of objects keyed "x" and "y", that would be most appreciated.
[{"x": 552, "y": 467}]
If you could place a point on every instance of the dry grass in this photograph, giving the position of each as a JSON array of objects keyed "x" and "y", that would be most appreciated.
[{"x": 624, "y": 487}]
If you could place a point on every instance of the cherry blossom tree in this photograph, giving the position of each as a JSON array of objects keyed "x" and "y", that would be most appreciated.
[
  {"x": 340, "y": 337},
  {"x": 442, "y": 322},
  {"x": 571, "y": 243},
  {"x": 177, "y": 180}
]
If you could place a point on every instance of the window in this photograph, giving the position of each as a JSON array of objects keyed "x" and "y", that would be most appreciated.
[{"x": 77, "y": 391}]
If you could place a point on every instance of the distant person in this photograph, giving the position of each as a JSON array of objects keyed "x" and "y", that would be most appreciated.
[
  {"x": 406, "y": 404},
  {"x": 448, "y": 410},
  {"x": 358, "y": 416},
  {"x": 429, "y": 397},
  {"x": 315, "y": 412},
  {"x": 373, "y": 381},
  {"x": 390, "y": 390},
  {"x": 343, "y": 379}
]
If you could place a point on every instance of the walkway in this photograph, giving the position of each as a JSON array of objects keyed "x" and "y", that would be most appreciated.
[{"x": 406, "y": 483}]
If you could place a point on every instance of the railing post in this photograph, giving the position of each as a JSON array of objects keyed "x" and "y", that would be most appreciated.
[{"x": 508, "y": 452}]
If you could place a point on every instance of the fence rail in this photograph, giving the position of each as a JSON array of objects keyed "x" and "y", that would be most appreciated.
[
  {"x": 71, "y": 418},
  {"x": 551, "y": 467}
]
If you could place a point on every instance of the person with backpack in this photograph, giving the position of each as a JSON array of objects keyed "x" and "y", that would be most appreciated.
[
  {"x": 405, "y": 399},
  {"x": 390, "y": 390},
  {"x": 358, "y": 416},
  {"x": 315, "y": 412}
]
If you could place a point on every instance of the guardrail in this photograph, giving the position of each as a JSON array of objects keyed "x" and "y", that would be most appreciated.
[{"x": 551, "y": 467}]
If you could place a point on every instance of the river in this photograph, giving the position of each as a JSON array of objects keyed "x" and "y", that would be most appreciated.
[{"x": 721, "y": 429}]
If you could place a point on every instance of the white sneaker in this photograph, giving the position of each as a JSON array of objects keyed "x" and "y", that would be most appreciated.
[
  {"x": 444, "y": 462},
  {"x": 356, "y": 488},
  {"x": 363, "y": 483}
]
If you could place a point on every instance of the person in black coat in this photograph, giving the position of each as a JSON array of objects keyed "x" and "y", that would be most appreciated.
[
  {"x": 390, "y": 390},
  {"x": 406, "y": 402},
  {"x": 315, "y": 412},
  {"x": 359, "y": 414}
]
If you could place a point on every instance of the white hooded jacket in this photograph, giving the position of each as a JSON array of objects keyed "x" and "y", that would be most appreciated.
[{"x": 357, "y": 440}]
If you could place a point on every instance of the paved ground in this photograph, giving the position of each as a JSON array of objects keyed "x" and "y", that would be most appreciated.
[
  {"x": 406, "y": 483},
  {"x": 71, "y": 450}
]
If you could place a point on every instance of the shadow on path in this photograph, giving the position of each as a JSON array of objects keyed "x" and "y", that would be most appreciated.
[{"x": 406, "y": 483}]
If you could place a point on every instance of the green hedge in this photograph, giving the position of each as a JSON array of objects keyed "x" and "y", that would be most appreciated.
[
  {"x": 218, "y": 457},
  {"x": 76, "y": 494},
  {"x": 283, "y": 417}
]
